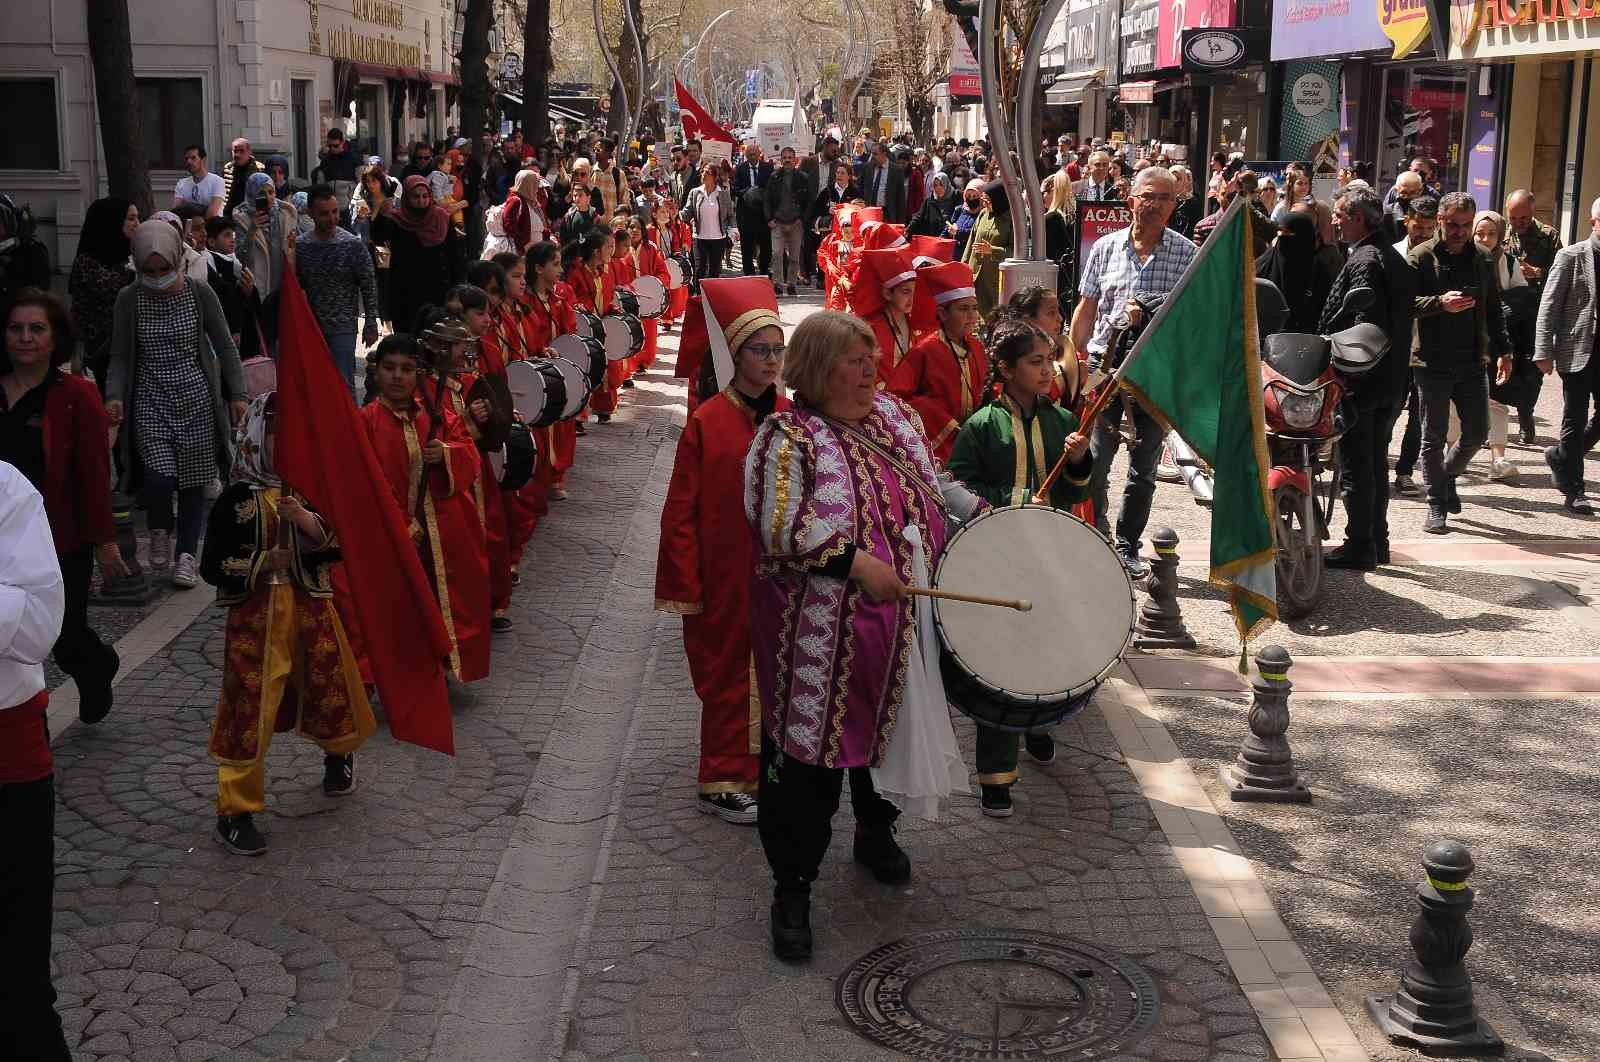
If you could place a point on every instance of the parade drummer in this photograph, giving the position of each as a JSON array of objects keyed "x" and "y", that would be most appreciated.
[
  {"x": 1002, "y": 454},
  {"x": 943, "y": 375},
  {"x": 885, "y": 289}
]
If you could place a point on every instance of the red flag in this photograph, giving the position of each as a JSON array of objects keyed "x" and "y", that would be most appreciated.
[
  {"x": 405, "y": 636},
  {"x": 697, "y": 124}
]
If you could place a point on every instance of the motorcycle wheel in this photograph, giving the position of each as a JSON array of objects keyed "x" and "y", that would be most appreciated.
[
  {"x": 1299, "y": 564},
  {"x": 1167, "y": 470}
]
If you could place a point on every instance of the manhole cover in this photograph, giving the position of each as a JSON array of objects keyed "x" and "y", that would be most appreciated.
[{"x": 976, "y": 994}]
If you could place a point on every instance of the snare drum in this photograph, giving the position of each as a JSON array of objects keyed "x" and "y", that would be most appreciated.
[
  {"x": 575, "y": 380},
  {"x": 1023, "y": 671},
  {"x": 583, "y": 352},
  {"x": 624, "y": 336},
  {"x": 652, "y": 296}
]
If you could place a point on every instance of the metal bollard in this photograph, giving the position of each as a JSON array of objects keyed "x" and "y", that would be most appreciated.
[
  {"x": 1264, "y": 769},
  {"x": 1160, "y": 624},
  {"x": 1433, "y": 1010},
  {"x": 134, "y": 590}
]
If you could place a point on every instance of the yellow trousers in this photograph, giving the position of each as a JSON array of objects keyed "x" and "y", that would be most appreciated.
[{"x": 287, "y": 652}]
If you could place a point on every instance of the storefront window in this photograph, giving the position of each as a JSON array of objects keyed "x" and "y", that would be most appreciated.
[
  {"x": 1424, "y": 115},
  {"x": 174, "y": 117},
  {"x": 31, "y": 145},
  {"x": 366, "y": 134}
]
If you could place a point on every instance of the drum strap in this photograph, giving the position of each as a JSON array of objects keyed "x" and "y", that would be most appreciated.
[{"x": 959, "y": 351}]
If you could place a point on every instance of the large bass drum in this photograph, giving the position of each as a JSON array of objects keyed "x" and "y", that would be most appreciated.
[
  {"x": 515, "y": 463},
  {"x": 680, "y": 270},
  {"x": 538, "y": 390},
  {"x": 1023, "y": 671},
  {"x": 582, "y": 351}
]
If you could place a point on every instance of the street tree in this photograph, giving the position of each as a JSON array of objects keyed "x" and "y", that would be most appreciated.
[{"x": 117, "y": 99}]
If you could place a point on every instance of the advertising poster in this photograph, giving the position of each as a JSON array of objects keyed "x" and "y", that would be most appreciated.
[
  {"x": 1310, "y": 112},
  {"x": 1094, "y": 221}
]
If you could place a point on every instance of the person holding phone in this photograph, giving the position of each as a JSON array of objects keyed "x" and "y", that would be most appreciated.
[{"x": 1460, "y": 329}]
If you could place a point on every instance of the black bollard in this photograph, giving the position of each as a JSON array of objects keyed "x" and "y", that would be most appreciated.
[
  {"x": 1160, "y": 624},
  {"x": 134, "y": 589},
  {"x": 1433, "y": 1010},
  {"x": 1264, "y": 769}
]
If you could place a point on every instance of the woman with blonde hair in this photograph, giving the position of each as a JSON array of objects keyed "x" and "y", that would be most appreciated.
[
  {"x": 1510, "y": 377},
  {"x": 1060, "y": 217}
]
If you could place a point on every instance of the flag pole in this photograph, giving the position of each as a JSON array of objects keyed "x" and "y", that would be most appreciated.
[{"x": 1042, "y": 495}]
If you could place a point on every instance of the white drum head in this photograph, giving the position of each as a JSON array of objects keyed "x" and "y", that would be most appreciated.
[
  {"x": 675, "y": 277},
  {"x": 589, "y": 324},
  {"x": 618, "y": 337},
  {"x": 652, "y": 296},
  {"x": 577, "y": 385},
  {"x": 1083, "y": 608},
  {"x": 527, "y": 390}
]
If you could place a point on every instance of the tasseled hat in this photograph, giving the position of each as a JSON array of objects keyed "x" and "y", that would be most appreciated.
[
  {"x": 719, "y": 320},
  {"x": 930, "y": 250},
  {"x": 938, "y": 285},
  {"x": 880, "y": 271}
]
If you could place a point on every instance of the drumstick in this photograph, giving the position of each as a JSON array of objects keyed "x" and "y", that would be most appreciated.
[{"x": 1021, "y": 604}]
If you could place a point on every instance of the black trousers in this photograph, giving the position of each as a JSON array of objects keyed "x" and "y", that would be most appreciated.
[
  {"x": 78, "y": 650},
  {"x": 755, "y": 246},
  {"x": 1411, "y": 441},
  {"x": 1365, "y": 449},
  {"x": 708, "y": 259},
  {"x": 808, "y": 257},
  {"x": 29, "y": 1026},
  {"x": 1580, "y": 423},
  {"x": 796, "y": 804}
]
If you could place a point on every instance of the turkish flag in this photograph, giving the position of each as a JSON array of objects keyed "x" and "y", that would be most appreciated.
[
  {"x": 697, "y": 124},
  {"x": 322, "y": 450}
]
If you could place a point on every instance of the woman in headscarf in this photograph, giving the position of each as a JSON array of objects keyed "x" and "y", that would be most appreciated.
[
  {"x": 1291, "y": 264},
  {"x": 278, "y": 170},
  {"x": 175, "y": 389},
  {"x": 101, "y": 269},
  {"x": 1513, "y": 376},
  {"x": 989, "y": 246},
  {"x": 421, "y": 247},
  {"x": 522, "y": 218},
  {"x": 264, "y": 224},
  {"x": 933, "y": 217},
  {"x": 965, "y": 216},
  {"x": 194, "y": 264}
]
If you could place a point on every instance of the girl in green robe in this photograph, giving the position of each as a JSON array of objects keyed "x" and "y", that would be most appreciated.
[{"x": 1003, "y": 453}]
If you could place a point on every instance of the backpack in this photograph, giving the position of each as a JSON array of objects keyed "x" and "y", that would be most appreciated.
[{"x": 24, "y": 260}]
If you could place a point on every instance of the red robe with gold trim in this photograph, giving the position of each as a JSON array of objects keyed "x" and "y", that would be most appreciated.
[
  {"x": 890, "y": 350},
  {"x": 676, "y": 239},
  {"x": 449, "y": 536},
  {"x": 623, "y": 271},
  {"x": 545, "y": 320},
  {"x": 650, "y": 263},
  {"x": 486, "y": 495},
  {"x": 942, "y": 388},
  {"x": 702, "y": 567},
  {"x": 597, "y": 293}
]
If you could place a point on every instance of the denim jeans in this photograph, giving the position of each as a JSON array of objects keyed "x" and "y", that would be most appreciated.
[
  {"x": 343, "y": 348},
  {"x": 1140, "y": 486},
  {"x": 1466, "y": 388},
  {"x": 158, "y": 492}
]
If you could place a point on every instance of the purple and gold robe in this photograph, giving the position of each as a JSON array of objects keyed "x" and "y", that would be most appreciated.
[{"x": 831, "y": 662}]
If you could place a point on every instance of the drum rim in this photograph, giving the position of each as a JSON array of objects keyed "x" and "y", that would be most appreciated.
[
  {"x": 545, "y": 420},
  {"x": 623, "y": 318},
  {"x": 583, "y": 375},
  {"x": 1011, "y": 697},
  {"x": 532, "y": 367}
]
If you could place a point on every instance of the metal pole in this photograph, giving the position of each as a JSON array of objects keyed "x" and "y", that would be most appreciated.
[
  {"x": 850, "y": 101},
  {"x": 611, "y": 62},
  {"x": 1027, "y": 87},
  {"x": 638, "y": 53},
  {"x": 703, "y": 34},
  {"x": 994, "y": 112}
]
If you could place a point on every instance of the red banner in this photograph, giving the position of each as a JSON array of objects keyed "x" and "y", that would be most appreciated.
[{"x": 697, "y": 124}]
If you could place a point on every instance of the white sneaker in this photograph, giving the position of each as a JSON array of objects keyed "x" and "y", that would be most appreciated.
[
  {"x": 160, "y": 550},
  {"x": 183, "y": 576},
  {"x": 1502, "y": 471},
  {"x": 213, "y": 489}
]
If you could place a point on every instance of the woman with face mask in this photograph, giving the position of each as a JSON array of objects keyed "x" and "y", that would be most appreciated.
[
  {"x": 175, "y": 389},
  {"x": 966, "y": 215}
]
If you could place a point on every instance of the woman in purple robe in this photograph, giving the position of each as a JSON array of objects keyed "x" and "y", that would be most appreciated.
[{"x": 849, "y": 511}]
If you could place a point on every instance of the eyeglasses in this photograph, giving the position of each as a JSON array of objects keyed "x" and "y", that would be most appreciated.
[
  {"x": 1156, "y": 197},
  {"x": 765, "y": 352}
]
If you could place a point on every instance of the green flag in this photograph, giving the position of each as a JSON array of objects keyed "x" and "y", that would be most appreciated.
[{"x": 1198, "y": 371}]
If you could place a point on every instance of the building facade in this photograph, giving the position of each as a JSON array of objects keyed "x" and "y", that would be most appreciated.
[{"x": 278, "y": 72}]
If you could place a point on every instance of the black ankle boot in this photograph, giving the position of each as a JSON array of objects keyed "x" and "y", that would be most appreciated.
[
  {"x": 875, "y": 848},
  {"x": 791, "y": 926}
]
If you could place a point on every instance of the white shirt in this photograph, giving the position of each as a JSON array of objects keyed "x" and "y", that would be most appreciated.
[
  {"x": 32, "y": 598},
  {"x": 209, "y": 187},
  {"x": 710, "y": 219}
]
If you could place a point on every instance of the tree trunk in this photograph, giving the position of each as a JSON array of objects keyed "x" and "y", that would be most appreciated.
[
  {"x": 536, "y": 73},
  {"x": 476, "y": 92},
  {"x": 117, "y": 101}
]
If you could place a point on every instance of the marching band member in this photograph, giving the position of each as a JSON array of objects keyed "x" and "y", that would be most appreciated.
[
  {"x": 493, "y": 354},
  {"x": 594, "y": 290},
  {"x": 1002, "y": 454},
  {"x": 706, "y": 546},
  {"x": 648, "y": 262},
  {"x": 287, "y": 663},
  {"x": 943, "y": 375},
  {"x": 624, "y": 270},
  {"x": 431, "y": 465},
  {"x": 884, "y": 292},
  {"x": 527, "y": 506},
  {"x": 671, "y": 236},
  {"x": 550, "y": 314},
  {"x": 833, "y": 256}
]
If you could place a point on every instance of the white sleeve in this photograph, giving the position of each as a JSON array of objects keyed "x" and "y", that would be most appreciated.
[{"x": 32, "y": 598}]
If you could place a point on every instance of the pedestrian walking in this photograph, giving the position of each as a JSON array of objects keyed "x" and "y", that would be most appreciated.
[
  {"x": 989, "y": 246},
  {"x": 749, "y": 188},
  {"x": 1564, "y": 341},
  {"x": 336, "y": 274},
  {"x": 102, "y": 267},
  {"x": 236, "y": 172},
  {"x": 710, "y": 213},
  {"x": 1508, "y": 384},
  {"x": 421, "y": 249},
  {"x": 785, "y": 208},
  {"x": 1460, "y": 332},
  {"x": 1534, "y": 245},
  {"x": 266, "y": 225}
]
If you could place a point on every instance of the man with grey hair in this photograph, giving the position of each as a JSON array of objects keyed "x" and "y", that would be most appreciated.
[
  {"x": 1564, "y": 341},
  {"x": 1533, "y": 245},
  {"x": 1376, "y": 268},
  {"x": 1460, "y": 334},
  {"x": 1100, "y": 184},
  {"x": 1148, "y": 258}
]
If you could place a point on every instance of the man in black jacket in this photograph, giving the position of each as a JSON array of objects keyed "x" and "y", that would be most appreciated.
[
  {"x": 749, "y": 183},
  {"x": 787, "y": 200},
  {"x": 1374, "y": 266},
  {"x": 1460, "y": 329},
  {"x": 885, "y": 183}
]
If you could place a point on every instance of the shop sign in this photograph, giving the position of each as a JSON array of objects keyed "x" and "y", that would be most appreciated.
[
  {"x": 1090, "y": 40},
  {"x": 1222, "y": 49},
  {"x": 1179, "y": 15},
  {"x": 1137, "y": 92},
  {"x": 1312, "y": 29},
  {"x": 1096, "y": 220},
  {"x": 1405, "y": 23},
  {"x": 1141, "y": 25},
  {"x": 964, "y": 79},
  {"x": 1490, "y": 29}
]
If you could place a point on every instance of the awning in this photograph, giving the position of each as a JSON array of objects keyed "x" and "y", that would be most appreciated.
[
  {"x": 1137, "y": 92},
  {"x": 1069, "y": 89}
]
